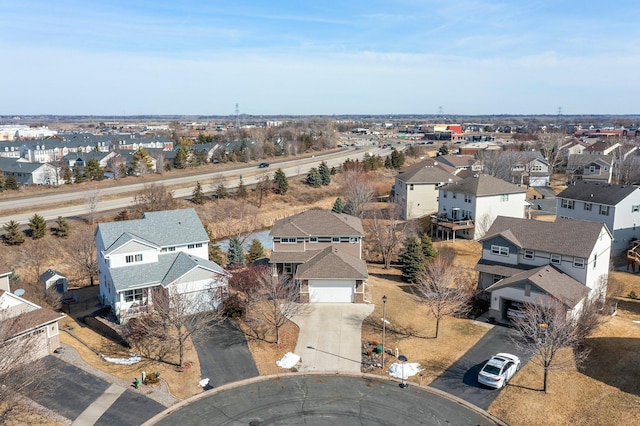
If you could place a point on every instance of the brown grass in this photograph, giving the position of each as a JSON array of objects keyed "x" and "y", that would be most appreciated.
[
  {"x": 181, "y": 384},
  {"x": 265, "y": 353}
]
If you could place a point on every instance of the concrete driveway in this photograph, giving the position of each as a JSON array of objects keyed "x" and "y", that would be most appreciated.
[
  {"x": 461, "y": 379},
  {"x": 330, "y": 337}
]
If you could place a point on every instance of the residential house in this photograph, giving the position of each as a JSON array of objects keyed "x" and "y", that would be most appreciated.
[
  {"x": 23, "y": 319},
  {"x": 617, "y": 206},
  {"x": 530, "y": 168},
  {"x": 51, "y": 278},
  {"x": 589, "y": 167},
  {"x": 322, "y": 251},
  {"x": 466, "y": 208},
  {"x": 163, "y": 251},
  {"x": 524, "y": 261},
  {"x": 460, "y": 162},
  {"x": 27, "y": 173},
  {"x": 416, "y": 187}
]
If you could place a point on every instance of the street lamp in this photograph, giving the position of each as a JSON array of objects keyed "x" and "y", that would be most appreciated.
[
  {"x": 384, "y": 325},
  {"x": 403, "y": 359}
]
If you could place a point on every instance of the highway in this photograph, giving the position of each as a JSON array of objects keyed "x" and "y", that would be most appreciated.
[{"x": 71, "y": 204}]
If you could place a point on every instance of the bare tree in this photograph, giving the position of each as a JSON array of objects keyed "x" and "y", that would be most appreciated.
[
  {"x": 91, "y": 199},
  {"x": 19, "y": 372},
  {"x": 388, "y": 232},
  {"x": 445, "y": 288},
  {"x": 173, "y": 319},
  {"x": 232, "y": 218},
  {"x": 358, "y": 190},
  {"x": 550, "y": 145},
  {"x": 272, "y": 301},
  {"x": 482, "y": 224},
  {"x": 628, "y": 169},
  {"x": 153, "y": 197},
  {"x": 553, "y": 335},
  {"x": 82, "y": 248}
]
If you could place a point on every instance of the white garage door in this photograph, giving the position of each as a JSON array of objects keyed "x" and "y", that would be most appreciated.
[{"x": 330, "y": 291}]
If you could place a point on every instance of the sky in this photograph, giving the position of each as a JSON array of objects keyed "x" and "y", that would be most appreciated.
[{"x": 462, "y": 57}]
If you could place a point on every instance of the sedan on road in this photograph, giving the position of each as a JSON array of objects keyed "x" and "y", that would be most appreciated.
[{"x": 499, "y": 370}]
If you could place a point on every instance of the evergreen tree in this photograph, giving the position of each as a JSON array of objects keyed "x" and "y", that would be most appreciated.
[
  {"x": 333, "y": 171},
  {"x": 241, "y": 192},
  {"x": 37, "y": 226},
  {"x": 1, "y": 181},
  {"x": 427, "y": 247},
  {"x": 141, "y": 161},
  {"x": 235, "y": 255},
  {"x": 67, "y": 176},
  {"x": 313, "y": 178},
  {"x": 281, "y": 182},
  {"x": 11, "y": 182},
  {"x": 338, "y": 206},
  {"x": 221, "y": 191},
  {"x": 387, "y": 163},
  {"x": 62, "y": 228},
  {"x": 180, "y": 160},
  {"x": 13, "y": 236},
  {"x": 397, "y": 159},
  {"x": 215, "y": 252},
  {"x": 198, "y": 196},
  {"x": 93, "y": 170},
  {"x": 325, "y": 173},
  {"x": 412, "y": 259},
  {"x": 256, "y": 251},
  {"x": 444, "y": 150},
  {"x": 78, "y": 176}
]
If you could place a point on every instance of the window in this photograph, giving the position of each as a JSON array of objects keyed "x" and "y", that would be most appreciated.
[
  {"x": 133, "y": 295},
  {"x": 335, "y": 239},
  {"x": 131, "y": 258},
  {"x": 578, "y": 262},
  {"x": 537, "y": 168},
  {"x": 444, "y": 194},
  {"x": 556, "y": 259},
  {"x": 587, "y": 206},
  {"x": 604, "y": 210},
  {"x": 166, "y": 249},
  {"x": 287, "y": 240},
  {"x": 504, "y": 197},
  {"x": 467, "y": 198},
  {"x": 191, "y": 246},
  {"x": 635, "y": 209},
  {"x": 313, "y": 239},
  {"x": 454, "y": 195},
  {"x": 595, "y": 259},
  {"x": 568, "y": 204},
  {"x": 528, "y": 254},
  {"x": 411, "y": 187},
  {"x": 354, "y": 240},
  {"x": 527, "y": 290},
  {"x": 499, "y": 250},
  {"x": 592, "y": 169},
  {"x": 199, "y": 245}
]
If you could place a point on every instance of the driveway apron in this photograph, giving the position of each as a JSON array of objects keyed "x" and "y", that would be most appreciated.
[
  {"x": 461, "y": 379},
  {"x": 330, "y": 337}
]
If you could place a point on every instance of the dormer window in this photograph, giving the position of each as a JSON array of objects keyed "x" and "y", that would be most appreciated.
[
  {"x": 132, "y": 258},
  {"x": 500, "y": 250}
]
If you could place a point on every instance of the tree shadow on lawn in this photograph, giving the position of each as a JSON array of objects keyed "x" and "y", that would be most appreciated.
[
  {"x": 394, "y": 330},
  {"x": 614, "y": 361}
]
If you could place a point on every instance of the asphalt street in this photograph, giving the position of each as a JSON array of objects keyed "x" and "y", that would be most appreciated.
[
  {"x": 323, "y": 400},
  {"x": 461, "y": 379}
]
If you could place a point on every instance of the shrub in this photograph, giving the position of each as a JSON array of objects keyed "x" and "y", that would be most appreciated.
[{"x": 632, "y": 295}]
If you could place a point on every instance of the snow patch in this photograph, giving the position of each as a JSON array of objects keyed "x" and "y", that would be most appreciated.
[
  {"x": 410, "y": 369},
  {"x": 203, "y": 383},
  {"x": 289, "y": 360},
  {"x": 133, "y": 359}
]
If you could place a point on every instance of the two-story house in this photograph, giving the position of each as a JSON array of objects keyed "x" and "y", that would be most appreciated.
[
  {"x": 163, "y": 251},
  {"x": 416, "y": 187},
  {"x": 460, "y": 163},
  {"x": 322, "y": 251},
  {"x": 589, "y": 167},
  {"x": 467, "y": 208},
  {"x": 530, "y": 168},
  {"x": 524, "y": 261},
  {"x": 617, "y": 206}
]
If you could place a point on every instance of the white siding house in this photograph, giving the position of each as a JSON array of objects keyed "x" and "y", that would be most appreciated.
[
  {"x": 617, "y": 206},
  {"x": 468, "y": 207},
  {"x": 165, "y": 250}
]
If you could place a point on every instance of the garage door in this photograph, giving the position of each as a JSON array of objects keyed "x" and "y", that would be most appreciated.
[{"x": 330, "y": 291}]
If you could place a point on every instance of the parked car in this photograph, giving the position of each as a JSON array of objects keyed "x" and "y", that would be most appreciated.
[
  {"x": 499, "y": 370},
  {"x": 263, "y": 165}
]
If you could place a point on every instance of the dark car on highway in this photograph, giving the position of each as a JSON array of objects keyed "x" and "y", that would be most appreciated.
[{"x": 263, "y": 165}]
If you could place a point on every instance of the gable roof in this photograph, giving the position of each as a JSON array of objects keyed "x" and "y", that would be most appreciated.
[
  {"x": 15, "y": 165},
  {"x": 332, "y": 262},
  {"x": 26, "y": 315},
  {"x": 578, "y": 160},
  {"x": 169, "y": 268},
  {"x": 457, "y": 160},
  {"x": 427, "y": 171},
  {"x": 178, "y": 227},
  {"x": 552, "y": 281},
  {"x": 598, "y": 192},
  {"x": 317, "y": 223},
  {"x": 50, "y": 273},
  {"x": 564, "y": 236},
  {"x": 481, "y": 185}
]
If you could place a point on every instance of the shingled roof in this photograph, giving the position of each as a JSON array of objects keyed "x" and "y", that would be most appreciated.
[
  {"x": 318, "y": 223},
  {"x": 427, "y": 171},
  {"x": 552, "y": 281},
  {"x": 598, "y": 192},
  {"x": 332, "y": 262},
  {"x": 481, "y": 185},
  {"x": 564, "y": 236}
]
